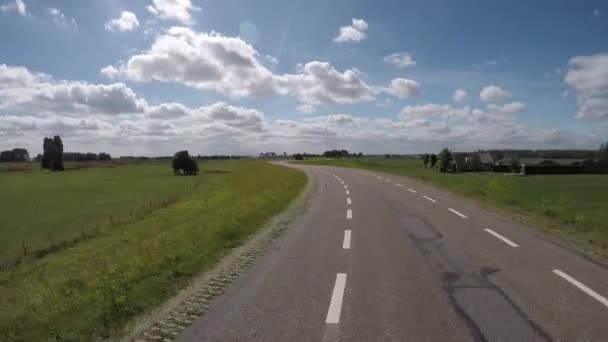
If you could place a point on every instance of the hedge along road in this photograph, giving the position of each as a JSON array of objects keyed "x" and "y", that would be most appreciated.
[
  {"x": 96, "y": 287},
  {"x": 392, "y": 265}
]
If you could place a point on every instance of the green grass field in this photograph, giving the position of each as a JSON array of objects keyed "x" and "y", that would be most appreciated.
[
  {"x": 94, "y": 288},
  {"x": 573, "y": 207}
]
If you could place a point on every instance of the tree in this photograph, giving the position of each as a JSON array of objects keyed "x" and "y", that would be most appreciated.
[
  {"x": 298, "y": 156},
  {"x": 184, "y": 164},
  {"x": 52, "y": 157},
  {"x": 104, "y": 156},
  {"x": 21, "y": 155},
  {"x": 603, "y": 153},
  {"x": 515, "y": 165},
  {"x": 445, "y": 157},
  {"x": 433, "y": 160},
  {"x": 360, "y": 155},
  {"x": 425, "y": 159}
]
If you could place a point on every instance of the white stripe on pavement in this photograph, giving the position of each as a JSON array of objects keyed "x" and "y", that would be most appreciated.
[
  {"x": 399, "y": 185},
  {"x": 345, "y": 186},
  {"x": 337, "y": 296},
  {"x": 348, "y": 201},
  {"x": 457, "y": 213},
  {"x": 346, "y": 243},
  {"x": 429, "y": 199},
  {"x": 582, "y": 287},
  {"x": 349, "y": 214},
  {"x": 412, "y": 190},
  {"x": 379, "y": 177},
  {"x": 504, "y": 239},
  {"x": 347, "y": 192},
  {"x": 388, "y": 180}
]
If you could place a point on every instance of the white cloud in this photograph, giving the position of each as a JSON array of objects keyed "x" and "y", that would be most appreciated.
[
  {"x": 400, "y": 59},
  {"x": 170, "y": 110},
  {"x": 126, "y": 22},
  {"x": 596, "y": 13},
  {"x": 18, "y": 6},
  {"x": 588, "y": 76},
  {"x": 22, "y": 90},
  {"x": 340, "y": 119},
  {"x": 404, "y": 88},
  {"x": 60, "y": 18},
  {"x": 352, "y": 33},
  {"x": 178, "y": 10},
  {"x": 493, "y": 93},
  {"x": 229, "y": 65},
  {"x": 459, "y": 95},
  {"x": 509, "y": 108}
]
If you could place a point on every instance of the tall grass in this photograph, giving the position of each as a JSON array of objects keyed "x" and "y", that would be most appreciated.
[{"x": 95, "y": 288}]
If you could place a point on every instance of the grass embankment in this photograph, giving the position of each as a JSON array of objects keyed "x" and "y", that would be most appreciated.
[
  {"x": 95, "y": 288},
  {"x": 570, "y": 206},
  {"x": 43, "y": 211}
]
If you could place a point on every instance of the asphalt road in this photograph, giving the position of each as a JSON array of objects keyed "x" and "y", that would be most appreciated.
[{"x": 385, "y": 258}]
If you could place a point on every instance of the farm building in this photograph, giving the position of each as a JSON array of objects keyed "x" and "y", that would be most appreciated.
[
  {"x": 472, "y": 161},
  {"x": 543, "y": 166}
]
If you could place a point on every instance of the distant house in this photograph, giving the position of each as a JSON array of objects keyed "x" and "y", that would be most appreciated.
[
  {"x": 471, "y": 161},
  {"x": 532, "y": 166},
  {"x": 268, "y": 155}
]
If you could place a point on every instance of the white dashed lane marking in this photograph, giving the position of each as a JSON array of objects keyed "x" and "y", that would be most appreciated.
[
  {"x": 399, "y": 185},
  {"x": 502, "y": 238},
  {"x": 582, "y": 287},
  {"x": 429, "y": 199},
  {"x": 348, "y": 201},
  {"x": 457, "y": 213},
  {"x": 388, "y": 180},
  {"x": 346, "y": 243},
  {"x": 412, "y": 190},
  {"x": 347, "y": 192},
  {"x": 337, "y": 296},
  {"x": 349, "y": 214}
]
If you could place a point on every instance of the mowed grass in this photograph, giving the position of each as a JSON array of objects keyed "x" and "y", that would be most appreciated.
[
  {"x": 95, "y": 288},
  {"x": 40, "y": 209},
  {"x": 574, "y": 207}
]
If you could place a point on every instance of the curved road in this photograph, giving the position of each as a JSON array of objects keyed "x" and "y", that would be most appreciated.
[{"x": 386, "y": 258}]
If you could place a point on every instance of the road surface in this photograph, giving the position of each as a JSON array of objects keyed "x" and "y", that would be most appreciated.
[{"x": 386, "y": 258}]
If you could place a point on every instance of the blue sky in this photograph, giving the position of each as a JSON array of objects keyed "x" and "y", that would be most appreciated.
[{"x": 226, "y": 76}]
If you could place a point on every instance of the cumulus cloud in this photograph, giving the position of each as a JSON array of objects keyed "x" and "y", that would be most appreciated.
[
  {"x": 340, "y": 119},
  {"x": 400, "y": 59},
  {"x": 588, "y": 76},
  {"x": 21, "y": 89},
  {"x": 231, "y": 66},
  {"x": 493, "y": 93},
  {"x": 126, "y": 22},
  {"x": 459, "y": 95},
  {"x": 177, "y": 10},
  {"x": 60, "y": 18},
  {"x": 509, "y": 108},
  {"x": 404, "y": 88},
  {"x": 18, "y": 6},
  {"x": 352, "y": 33}
]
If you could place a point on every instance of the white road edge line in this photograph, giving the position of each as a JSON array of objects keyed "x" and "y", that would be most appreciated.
[
  {"x": 457, "y": 213},
  {"x": 347, "y": 192},
  {"x": 337, "y": 296},
  {"x": 399, "y": 185},
  {"x": 349, "y": 214},
  {"x": 348, "y": 201},
  {"x": 582, "y": 287},
  {"x": 346, "y": 243},
  {"x": 429, "y": 199},
  {"x": 500, "y": 237},
  {"x": 412, "y": 190}
]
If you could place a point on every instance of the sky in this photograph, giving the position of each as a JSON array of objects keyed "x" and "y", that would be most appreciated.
[{"x": 151, "y": 77}]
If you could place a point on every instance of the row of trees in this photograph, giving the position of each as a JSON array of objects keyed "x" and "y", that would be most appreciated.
[
  {"x": 429, "y": 158},
  {"x": 602, "y": 154},
  {"x": 340, "y": 154},
  {"x": 78, "y": 156},
  {"x": 14, "y": 155}
]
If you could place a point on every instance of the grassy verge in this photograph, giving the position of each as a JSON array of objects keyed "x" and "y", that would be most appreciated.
[
  {"x": 95, "y": 288},
  {"x": 42, "y": 212},
  {"x": 572, "y": 207}
]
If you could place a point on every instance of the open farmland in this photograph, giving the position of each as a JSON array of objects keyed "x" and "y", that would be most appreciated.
[
  {"x": 570, "y": 206},
  {"x": 125, "y": 270}
]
